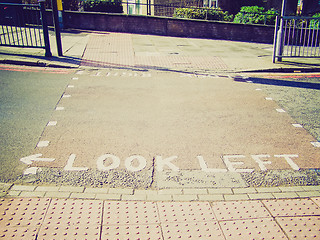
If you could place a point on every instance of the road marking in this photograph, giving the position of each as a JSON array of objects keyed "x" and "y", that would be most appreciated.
[
  {"x": 205, "y": 168},
  {"x": 115, "y": 162},
  {"x": 52, "y": 123},
  {"x": 75, "y": 78},
  {"x": 288, "y": 157},
  {"x": 70, "y": 167},
  {"x": 31, "y": 170},
  {"x": 280, "y": 110},
  {"x": 36, "y": 157},
  {"x": 230, "y": 164},
  {"x": 261, "y": 162},
  {"x": 297, "y": 125},
  {"x": 70, "y": 86},
  {"x": 137, "y": 163},
  {"x": 59, "y": 108},
  {"x": 43, "y": 144},
  {"x": 258, "y": 89},
  {"x": 316, "y": 144},
  {"x": 268, "y": 98},
  {"x": 66, "y": 96}
]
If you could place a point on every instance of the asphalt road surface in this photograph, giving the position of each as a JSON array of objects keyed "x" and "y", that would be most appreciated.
[
  {"x": 27, "y": 99},
  {"x": 126, "y": 128}
]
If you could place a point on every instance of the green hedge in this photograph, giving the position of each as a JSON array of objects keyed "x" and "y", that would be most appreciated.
[
  {"x": 110, "y": 6},
  {"x": 203, "y": 13},
  {"x": 255, "y": 15}
]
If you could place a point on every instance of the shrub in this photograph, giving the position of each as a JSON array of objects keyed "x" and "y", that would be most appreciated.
[
  {"x": 250, "y": 14},
  {"x": 315, "y": 23},
  {"x": 203, "y": 13},
  {"x": 110, "y": 6},
  {"x": 255, "y": 15}
]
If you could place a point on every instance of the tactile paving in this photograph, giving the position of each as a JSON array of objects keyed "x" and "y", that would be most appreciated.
[
  {"x": 301, "y": 227},
  {"x": 29, "y": 233},
  {"x": 264, "y": 228},
  {"x": 151, "y": 232},
  {"x": 69, "y": 232},
  {"x": 74, "y": 211},
  {"x": 197, "y": 230},
  {"x": 18, "y": 212},
  {"x": 239, "y": 210},
  {"x": 292, "y": 207},
  {"x": 185, "y": 212},
  {"x": 117, "y": 212}
]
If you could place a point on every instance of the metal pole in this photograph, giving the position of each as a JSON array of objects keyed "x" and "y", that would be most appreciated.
[
  {"x": 45, "y": 28},
  {"x": 56, "y": 26},
  {"x": 280, "y": 34}
]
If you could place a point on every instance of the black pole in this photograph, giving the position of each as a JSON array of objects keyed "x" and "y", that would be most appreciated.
[
  {"x": 56, "y": 26},
  {"x": 45, "y": 28}
]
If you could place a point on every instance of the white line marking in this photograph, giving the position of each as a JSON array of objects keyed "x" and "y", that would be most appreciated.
[
  {"x": 52, "y": 123},
  {"x": 268, "y": 98},
  {"x": 288, "y": 157},
  {"x": 31, "y": 170},
  {"x": 75, "y": 78},
  {"x": 70, "y": 86},
  {"x": 258, "y": 89},
  {"x": 66, "y": 96},
  {"x": 316, "y": 144},
  {"x": 35, "y": 157},
  {"x": 280, "y": 110},
  {"x": 43, "y": 144},
  {"x": 297, "y": 125},
  {"x": 70, "y": 167},
  {"x": 59, "y": 108}
]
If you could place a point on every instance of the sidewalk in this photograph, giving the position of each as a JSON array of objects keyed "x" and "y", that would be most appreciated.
[
  {"x": 93, "y": 217},
  {"x": 121, "y": 50},
  {"x": 73, "y": 212}
]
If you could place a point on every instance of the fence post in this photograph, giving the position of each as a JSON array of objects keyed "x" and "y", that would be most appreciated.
[
  {"x": 45, "y": 28},
  {"x": 56, "y": 26}
]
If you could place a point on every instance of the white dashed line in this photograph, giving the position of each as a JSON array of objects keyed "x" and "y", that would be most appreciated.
[
  {"x": 75, "y": 78},
  {"x": 43, "y": 144},
  {"x": 280, "y": 110},
  {"x": 297, "y": 125},
  {"x": 52, "y": 123},
  {"x": 59, "y": 108},
  {"x": 66, "y": 96},
  {"x": 316, "y": 144},
  {"x": 258, "y": 89},
  {"x": 70, "y": 86},
  {"x": 268, "y": 98}
]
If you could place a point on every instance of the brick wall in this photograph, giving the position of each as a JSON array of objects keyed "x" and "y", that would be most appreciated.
[{"x": 168, "y": 26}]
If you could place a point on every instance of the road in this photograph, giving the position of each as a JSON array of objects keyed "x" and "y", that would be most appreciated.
[
  {"x": 151, "y": 129},
  {"x": 27, "y": 98}
]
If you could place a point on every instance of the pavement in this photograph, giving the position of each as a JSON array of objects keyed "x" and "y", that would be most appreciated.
[{"x": 179, "y": 204}]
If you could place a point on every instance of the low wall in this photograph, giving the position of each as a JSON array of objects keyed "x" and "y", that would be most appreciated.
[{"x": 168, "y": 26}]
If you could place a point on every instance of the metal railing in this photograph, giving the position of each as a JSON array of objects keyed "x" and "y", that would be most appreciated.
[
  {"x": 296, "y": 37},
  {"x": 24, "y": 25}
]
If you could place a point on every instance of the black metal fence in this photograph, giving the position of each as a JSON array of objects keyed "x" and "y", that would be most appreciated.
[
  {"x": 24, "y": 25},
  {"x": 297, "y": 37}
]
